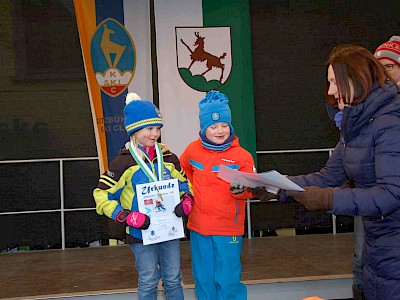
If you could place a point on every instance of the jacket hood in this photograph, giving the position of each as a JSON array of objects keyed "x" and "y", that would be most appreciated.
[{"x": 379, "y": 102}]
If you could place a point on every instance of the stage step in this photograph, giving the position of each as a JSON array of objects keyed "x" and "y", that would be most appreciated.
[{"x": 329, "y": 289}]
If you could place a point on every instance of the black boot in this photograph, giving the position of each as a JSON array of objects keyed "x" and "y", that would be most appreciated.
[{"x": 358, "y": 294}]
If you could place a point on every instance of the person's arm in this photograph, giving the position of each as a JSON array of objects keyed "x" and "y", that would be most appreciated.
[
  {"x": 178, "y": 172},
  {"x": 382, "y": 198},
  {"x": 379, "y": 199},
  {"x": 185, "y": 165},
  {"x": 107, "y": 195},
  {"x": 184, "y": 208},
  {"x": 331, "y": 175}
]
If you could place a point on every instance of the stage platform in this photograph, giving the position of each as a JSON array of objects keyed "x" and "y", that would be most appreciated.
[{"x": 301, "y": 265}]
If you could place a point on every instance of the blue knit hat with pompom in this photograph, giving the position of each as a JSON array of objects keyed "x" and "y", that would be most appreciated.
[
  {"x": 140, "y": 114},
  {"x": 213, "y": 109}
]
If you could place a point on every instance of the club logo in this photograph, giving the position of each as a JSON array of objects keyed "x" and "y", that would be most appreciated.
[
  {"x": 204, "y": 56},
  {"x": 173, "y": 231},
  {"x": 153, "y": 236},
  {"x": 215, "y": 116},
  {"x": 113, "y": 57}
]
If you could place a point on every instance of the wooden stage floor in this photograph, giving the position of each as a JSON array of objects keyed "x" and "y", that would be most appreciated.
[{"x": 35, "y": 274}]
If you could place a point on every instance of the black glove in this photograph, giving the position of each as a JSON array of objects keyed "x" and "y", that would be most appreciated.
[{"x": 262, "y": 194}]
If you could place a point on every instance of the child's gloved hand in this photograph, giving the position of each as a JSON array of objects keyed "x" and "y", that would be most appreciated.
[
  {"x": 184, "y": 208},
  {"x": 134, "y": 219},
  {"x": 262, "y": 194},
  {"x": 237, "y": 187}
]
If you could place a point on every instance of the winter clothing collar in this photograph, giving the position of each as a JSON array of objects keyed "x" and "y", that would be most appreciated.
[
  {"x": 379, "y": 102},
  {"x": 216, "y": 147}
]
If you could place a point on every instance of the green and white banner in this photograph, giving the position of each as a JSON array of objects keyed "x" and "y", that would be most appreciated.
[{"x": 201, "y": 46}]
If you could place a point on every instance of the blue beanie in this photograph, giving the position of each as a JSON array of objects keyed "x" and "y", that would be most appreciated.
[
  {"x": 140, "y": 114},
  {"x": 213, "y": 109}
]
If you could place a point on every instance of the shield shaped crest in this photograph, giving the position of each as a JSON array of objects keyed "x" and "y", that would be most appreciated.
[
  {"x": 204, "y": 56},
  {"x": 113, "y": 57}
]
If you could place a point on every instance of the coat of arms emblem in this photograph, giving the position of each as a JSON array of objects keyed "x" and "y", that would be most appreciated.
[
  {"x": 113, "y": 57},
  {"x": 204, "y": 56}
]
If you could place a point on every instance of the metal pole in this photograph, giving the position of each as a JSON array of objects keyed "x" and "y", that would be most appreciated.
[
  {"x": 248, "y": 219},
  {"x": 62, "y": 205}
]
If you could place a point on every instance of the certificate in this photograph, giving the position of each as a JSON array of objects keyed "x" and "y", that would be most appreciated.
[
  {"x": 271, "y": 180},
  {"x": 158, "y": 200}
]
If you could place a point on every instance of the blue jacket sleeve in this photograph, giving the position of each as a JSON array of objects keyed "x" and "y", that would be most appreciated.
[{"x": 332, "y": 175}]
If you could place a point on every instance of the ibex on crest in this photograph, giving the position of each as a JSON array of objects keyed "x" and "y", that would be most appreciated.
[
  {"x": 199, "y": 54},
  {"x": 108, "y": 47}
]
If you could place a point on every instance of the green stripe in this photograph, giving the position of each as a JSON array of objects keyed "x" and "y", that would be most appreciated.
[
  {"x": 239, "y": 87},
  {"x": 142, "y": 164},
  {"x": 144, "y": 167}
]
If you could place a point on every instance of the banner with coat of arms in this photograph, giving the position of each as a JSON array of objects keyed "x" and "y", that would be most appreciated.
[
  {"x": 116, "y": 49},
  {"x": 201, "y": 45}
]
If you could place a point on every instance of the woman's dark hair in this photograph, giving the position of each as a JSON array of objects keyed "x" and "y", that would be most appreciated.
[{"x": 355, "y": 64}]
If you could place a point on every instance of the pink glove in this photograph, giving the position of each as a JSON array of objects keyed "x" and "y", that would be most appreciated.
[
  {"x": 184, "y": 208},
  {"x": 134, "y": 219}
]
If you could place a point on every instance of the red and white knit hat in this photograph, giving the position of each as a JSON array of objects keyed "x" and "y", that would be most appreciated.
[{"x": 389, "y": 50}]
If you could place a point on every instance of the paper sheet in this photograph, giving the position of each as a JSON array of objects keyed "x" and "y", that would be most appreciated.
[
  {"x": 158, "y": 201},
  {"x": 271, "y": 180}
]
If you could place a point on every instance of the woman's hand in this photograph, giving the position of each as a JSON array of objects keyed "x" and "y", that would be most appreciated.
[{"x": 314, "y": 198}]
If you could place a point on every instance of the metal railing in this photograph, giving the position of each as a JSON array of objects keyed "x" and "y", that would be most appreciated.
[
  {"x": 62, "y": 210},
  {"x": 248, "y": 202}
]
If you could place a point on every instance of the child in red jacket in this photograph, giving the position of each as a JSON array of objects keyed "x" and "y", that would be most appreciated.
[{"x": 217, "y": 218}]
